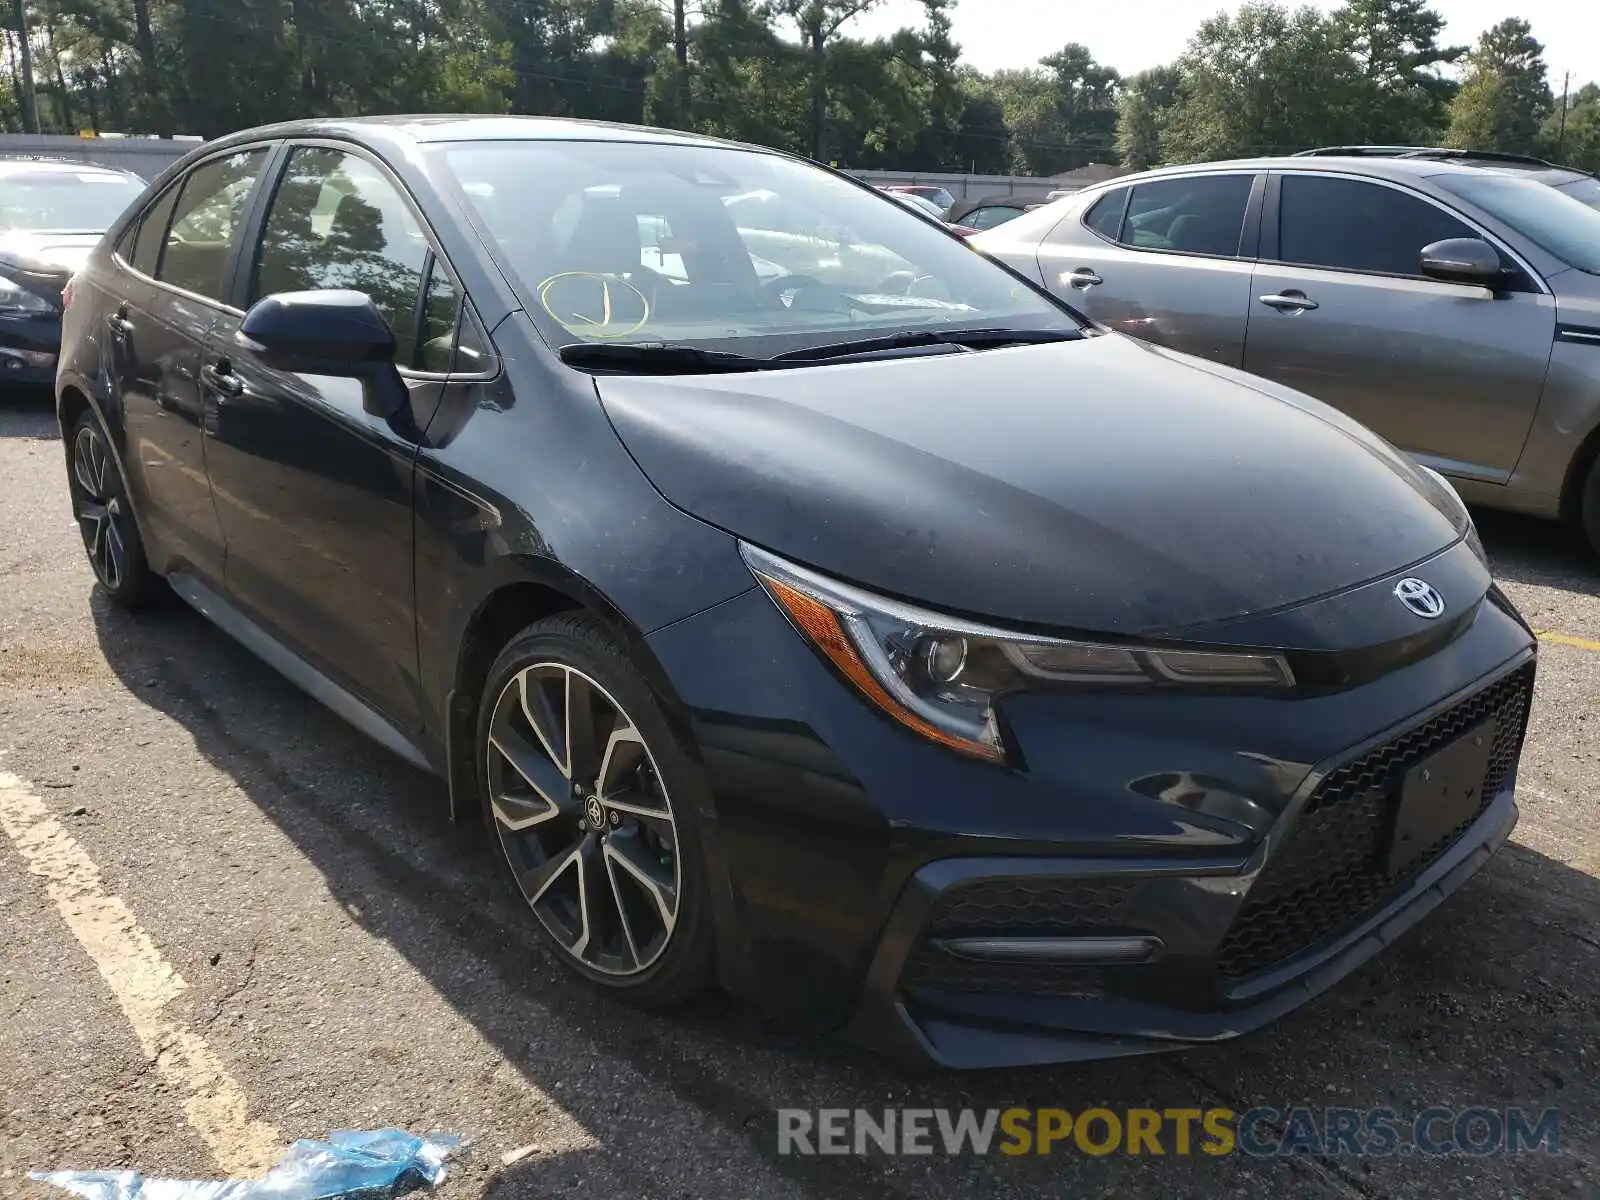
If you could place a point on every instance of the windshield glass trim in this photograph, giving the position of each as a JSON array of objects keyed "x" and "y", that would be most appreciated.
[{"x": 635, "y": 193}]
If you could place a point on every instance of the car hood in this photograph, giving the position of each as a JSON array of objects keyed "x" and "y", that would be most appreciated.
[
  {"x": 42, "y": 261},
  {"x": 1102, "y": 486}
]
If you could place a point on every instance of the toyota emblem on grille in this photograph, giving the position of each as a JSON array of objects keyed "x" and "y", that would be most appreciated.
[{"x": 1420, "y": 597}]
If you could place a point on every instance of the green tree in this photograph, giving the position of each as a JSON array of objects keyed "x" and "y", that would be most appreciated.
[
  {"x": 1143, "y": 108},
  {"x": 1401, "y": 96},
  {"x": 820, "y": 22},
  {"x": 1575, "y": 141},
  {"x": 1504, "y": 100},
  {"x": 1264, "y": 80}
]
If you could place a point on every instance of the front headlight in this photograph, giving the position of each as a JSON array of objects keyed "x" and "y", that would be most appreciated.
[
  {"x": 1474, "y": 542},
  {"x": 942, "y": 676},
  {"x": 19, "y": 300}
]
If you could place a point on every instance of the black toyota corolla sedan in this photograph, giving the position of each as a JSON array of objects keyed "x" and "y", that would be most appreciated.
[{"x": 810, "y": 605}]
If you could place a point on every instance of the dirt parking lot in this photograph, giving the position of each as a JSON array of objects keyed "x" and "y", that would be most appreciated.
[{"x": 229, "y": 921}]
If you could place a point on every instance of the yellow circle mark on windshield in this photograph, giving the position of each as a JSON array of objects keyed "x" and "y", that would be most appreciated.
[{"x": 584, "y": 325}]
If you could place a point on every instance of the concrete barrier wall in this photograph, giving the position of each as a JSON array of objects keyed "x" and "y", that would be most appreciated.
[
  {"x": 968, "y": 187},
  {"x": 146, "y": 157}
]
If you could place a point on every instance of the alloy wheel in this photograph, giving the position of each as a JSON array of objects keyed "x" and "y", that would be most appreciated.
[
  {"x": 101, "y": 510},
  {"x": 584, "y": 819}
]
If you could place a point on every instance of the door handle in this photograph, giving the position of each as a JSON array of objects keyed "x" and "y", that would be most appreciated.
[
  {"x": 1289, "y": 302},
  {"x": 1083, "y": 278},
  {"x": 220, "y": 378}
]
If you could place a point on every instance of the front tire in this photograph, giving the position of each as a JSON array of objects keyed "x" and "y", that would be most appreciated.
[
  {"x": 105, "y": 519},
  {"x": 1589, "y": 507},
  {"x": 592, "y": 801}
]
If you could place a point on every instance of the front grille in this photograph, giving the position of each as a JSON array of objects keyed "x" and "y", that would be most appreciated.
[{"x": 1330, "y": 872}]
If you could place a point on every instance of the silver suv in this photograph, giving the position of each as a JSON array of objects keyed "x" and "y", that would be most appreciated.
[{"x": 1451, "y": 307}]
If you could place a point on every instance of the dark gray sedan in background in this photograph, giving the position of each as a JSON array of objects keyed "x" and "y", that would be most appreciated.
[{"x": 1451, "y": 306}]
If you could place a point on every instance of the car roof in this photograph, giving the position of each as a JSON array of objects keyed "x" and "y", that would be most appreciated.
[
  {"x": 1376, "y": 166},
  {"x": 424, "y": 128}
]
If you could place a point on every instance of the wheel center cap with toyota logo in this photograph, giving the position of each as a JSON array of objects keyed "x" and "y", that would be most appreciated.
[
  {"x": 1420, "y": 597},
  {"x": 594, "y": 812}
]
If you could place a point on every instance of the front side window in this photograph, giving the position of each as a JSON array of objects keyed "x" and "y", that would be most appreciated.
[
  {"x": 1351, "y": 225},
  {"x": 336, "y": 221},
  {"x": 198, "y": 246},
  {"x": 1189, "y": 214},
  {"x": 714, "y": 246},
  {"x": 1561, "y": 224},
  {"x": 54, "y": 201},
  {"x": 441, "y": 317}
]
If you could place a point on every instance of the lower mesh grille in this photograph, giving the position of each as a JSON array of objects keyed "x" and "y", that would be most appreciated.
[
  {"x": 1020, "y": 908},
  {"x": 1330, "y": 871}
]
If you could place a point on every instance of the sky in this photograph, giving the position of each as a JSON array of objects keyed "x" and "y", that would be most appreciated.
[{"x": 1131, "y": 35}]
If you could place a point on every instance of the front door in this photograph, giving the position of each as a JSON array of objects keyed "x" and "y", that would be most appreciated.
[
  {"x": 313, "y": 492},
  {"x": 1451, "y": 373},
  {"x": 171, "y": 292},
  {"x": 1162, "y": 261}
]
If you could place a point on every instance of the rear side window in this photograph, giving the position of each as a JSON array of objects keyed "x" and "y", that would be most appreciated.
[
  {"x": 1192, "y": 214},
  {"x": 1105, "y": 216},
  {"x": 1351, "y": 225},
  {"x": 145, "y": 256},
  {"x": 199, "y": 245}
]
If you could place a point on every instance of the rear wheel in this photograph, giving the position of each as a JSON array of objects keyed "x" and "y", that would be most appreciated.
[
  {"x": 105, "y": 517},
  {"x": 1589, "y": 508},
  {"x": 591, "y": 799}
]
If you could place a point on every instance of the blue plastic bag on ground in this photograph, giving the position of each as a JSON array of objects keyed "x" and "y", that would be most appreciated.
[{"x": 360, "y": 1164}]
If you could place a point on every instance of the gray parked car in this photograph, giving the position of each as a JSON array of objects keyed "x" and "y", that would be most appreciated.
[{"x": 1452, "y": 308}]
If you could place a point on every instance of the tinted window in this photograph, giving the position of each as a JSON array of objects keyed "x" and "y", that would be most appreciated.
[
  {"x": 441, "y": 312},
  {"x": 1193, "y": 214},
  {"x": 151, "y": 234},
  {"x": 1566, "y": 227},
  {"x": 721, "y": 246},
  {"x": 337, "y": 222},
  {"x": 208, "y": 214},
  {"x": 988, "y": 218},
  {"x": 1354, "y": 226},
  {"x": 1105, "y": 216}
]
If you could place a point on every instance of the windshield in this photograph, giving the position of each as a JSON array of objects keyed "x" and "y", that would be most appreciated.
[
  {"x": 1549, "y": 218},
  {"x": 65, "y": 201},
  {"x": 1587, "y": 190},
  {"x": 723, "y": 249}
]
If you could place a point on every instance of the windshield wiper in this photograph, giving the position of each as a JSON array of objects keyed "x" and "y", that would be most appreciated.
[
  {"x": 660, "y": 358},
  {"x": 910, "y": 339}
]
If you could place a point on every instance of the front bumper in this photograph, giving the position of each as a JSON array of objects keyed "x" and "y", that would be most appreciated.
[
  {"x": 29, "y": 349},
  {"x": 848, "y": 854}
]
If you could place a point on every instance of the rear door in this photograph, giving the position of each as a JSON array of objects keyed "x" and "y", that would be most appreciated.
[
  {"x": 171, "y": 288},
  {"x": 1167, "y": 260},
  {"x": 313, "y": 492},
  {"x": 1449, "y": 372}
]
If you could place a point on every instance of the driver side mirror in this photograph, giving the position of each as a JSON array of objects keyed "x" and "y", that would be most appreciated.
[
  {"x": 1463, "y": 260},
  {"x": 337, "y": 333}
]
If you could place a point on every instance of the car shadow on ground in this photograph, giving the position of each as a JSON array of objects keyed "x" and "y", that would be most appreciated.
[
  {"x": 1540, "y": 553},
  {"x": 1492, "y": 1002},
  {"x": 28, "y": 413}
]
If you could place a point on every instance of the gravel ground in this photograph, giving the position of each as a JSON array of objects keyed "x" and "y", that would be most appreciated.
[{"x": 343, "y": 957}]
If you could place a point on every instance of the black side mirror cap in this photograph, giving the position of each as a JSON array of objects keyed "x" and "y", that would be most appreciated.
[
  {"x": 331, "y": 332},
  {"x": 1463, "y": 260}
]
